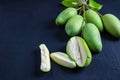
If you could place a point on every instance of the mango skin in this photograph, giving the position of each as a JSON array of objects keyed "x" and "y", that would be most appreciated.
[
  {"x": 88, "y": 60},
  {"x": 89, "y": 55},
  {"x": 112, "y": 25},
  {"x": 92, "y": 36},
  {"x": 83, "y": 24},
  {"x": 74, "y": 25},
  {"x": 93, "y": 17},
  {"x": 65, "y": 15}
]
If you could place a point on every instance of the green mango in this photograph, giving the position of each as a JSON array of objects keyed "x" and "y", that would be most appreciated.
[
  {"x": 83, "y": 24},
  {"x": 74, "y": 25},
  {"x": 112, "y": 24},
  {"x": 65, "y": 15},
  {"x": 78, "y": 50},
  {"x": 63, "y": 59},
  {"x": 92, "y": 36},
  {"x": 92, "y": 17}
]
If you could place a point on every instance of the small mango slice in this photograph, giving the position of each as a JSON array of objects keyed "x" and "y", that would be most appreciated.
[
  {"x": 45, "y": 58},
  {"x": 63, "y": 59}
]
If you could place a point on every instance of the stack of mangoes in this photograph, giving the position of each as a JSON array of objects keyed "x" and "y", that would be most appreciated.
[
  {"x": 84, "y": 26},
  {"x": 85, "y": 32}
]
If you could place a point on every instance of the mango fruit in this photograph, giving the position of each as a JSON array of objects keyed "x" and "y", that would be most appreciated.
[
  {"x": 45, "y": 58},
  {"x": 112, "y": 24},
  {"x": 91, "y": 35},
  {"x": 65, "y": 15},
  {"x": 63, "y": 59},
  {"x": 92, "y": 17},
  {"x": 78, "y": 50},
  {"x": 74, "y": 25}
]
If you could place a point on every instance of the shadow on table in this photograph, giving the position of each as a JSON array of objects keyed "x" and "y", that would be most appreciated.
[
  {"x": 108, "y": 36},
  {"x": 72, "y": 71}
]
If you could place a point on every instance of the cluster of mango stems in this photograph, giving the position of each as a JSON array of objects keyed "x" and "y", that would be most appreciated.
[{"x": 84, "y": 28}]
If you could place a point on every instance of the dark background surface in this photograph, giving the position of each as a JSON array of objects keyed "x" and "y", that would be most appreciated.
[{"x": 24, "y": 24}]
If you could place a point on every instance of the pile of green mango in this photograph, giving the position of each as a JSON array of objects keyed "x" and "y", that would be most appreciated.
[
  {"x": 84, "y": 24},
  {"x": 88, "y": 27}
]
